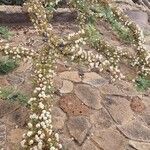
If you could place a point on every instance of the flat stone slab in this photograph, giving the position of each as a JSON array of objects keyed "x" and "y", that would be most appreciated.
[
  {"x": 78, "y": 128},
  {"x": 70, "y": 75},
  {"x": 90, "y": 96},
  {"x": 73, "y": 106},
  {"x": 59, "y": 118},
  {"x": 93, "y": 79},
  {"x": 109, "y": 139},
  {"x": 101, "y": 119},
  {"x": 89, "y": 145},
  {"x": 135, "y": 130},
  {"x": 119, "y": 109},
  {"x": 67, "y": 87},
  {"x": 140, "y": 145}
]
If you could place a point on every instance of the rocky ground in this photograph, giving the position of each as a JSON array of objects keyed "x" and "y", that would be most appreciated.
[{"x": 89, "y": 112}]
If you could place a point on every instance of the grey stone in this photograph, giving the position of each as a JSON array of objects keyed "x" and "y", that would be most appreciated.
[
  {"x": 119, "y": 109},
  {"x": 94, "y": 79},
  {"x": 111, "y": 89},
  {"x": 109, "y": 139},
  {"x": 78, "y": 128},
  {"x": 70, "y": 75},
  {"x": 101, "y": 119},
  {"x": 139, "y": 145},
  {"x": 135, "y": 130},
  {"x": 67, "y": 87},
  {"x": 58, "y": 118},
  {"x": 138, "y": 16},
  {"x": 89, "y": 145},
  {"x": 90, "y": 96}
]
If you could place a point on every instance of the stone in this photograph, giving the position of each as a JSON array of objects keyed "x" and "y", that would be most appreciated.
[
  {"x": 138, "y": 16},
  {"x": 79, "y": 128},
  {"x": 110, "y": 89},
  {"x": 58, "y": 83},
  {"x": 93, "y": 79},
  {"x": 137, "y": 105},
  {"x": 3, "y": 81},
  {"x": 71, "y": 146},
  {"x": 126, "y": 87},
  {"x": 89, "y": 145},
  {"x": 67, "y": 87},
  {"x": 119, "y": 109},
  {"x": 58, "y": 118},
  {"x": 135, "y": 130},
  {"x": 7, "y": 107},
  {"x": 139, "y": 145},
  {"x": 90, "y": 96},
  {"x": 73, "y": 106},
  {"x": 70, "y": 75},
  {"x": 109, "y": 139},
  {"x": 19, "y": 116},
  {"x": 2, "y": 134},
  {"x": 15, "y": 79},
  {"x": 101, "y": 119}
]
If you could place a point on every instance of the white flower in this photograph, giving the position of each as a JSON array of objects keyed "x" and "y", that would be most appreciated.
[
  {"x": 40, "y": 144},
  {"x": 52, "y": 148},
  {"x": 29, "y": 133},
  {"x": 41, "y": 105},
  {"x": 57, "y": 137},
  {"x": 23, "y": 143},
  {"x": 31, "y": 142},
  {"x": 30, "y": 125}
]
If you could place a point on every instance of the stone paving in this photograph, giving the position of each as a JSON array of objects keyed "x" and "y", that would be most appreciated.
[{"x": 89, "y": 112}]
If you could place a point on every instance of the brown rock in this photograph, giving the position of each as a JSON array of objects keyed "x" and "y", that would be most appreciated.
[
  {"x": 73, "y": 106},
  {"x": 137, "y": 105},
  {"x": 90, "y": 96},
  {"x": 109, "y": 139},
  {"x": 140, "y": 145},
  {"x": 89, "y": 145},
  {"x": 119, "y": 109},
  {"x": 135, "y": 130},
  {"x": 101, "y": 119},
  {"x": 79, "y": 128},
  {"x": 58, "y": 118},
  {"x": 70, "y": 75},
  {"x": 67, "y": 87}
]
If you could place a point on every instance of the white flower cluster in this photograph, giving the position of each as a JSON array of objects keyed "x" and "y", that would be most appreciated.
[{"x": 40, "y": 130}]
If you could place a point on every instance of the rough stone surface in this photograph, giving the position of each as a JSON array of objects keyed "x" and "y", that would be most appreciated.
[
  {"x": 59, "y": 118},
  {"x": 119, "y": 109},
  {"x": 93, "y": 79},
  {"x": 109, "y": 139},
  {"x": 136, "y": 130},
  {"x": 137, "y": 105},
  {"x": 73, "y": 106},
  {"x": 79, "y": 128},
  {"x": 111, "y": 90},
  {"x": 67, "y": 87},
  {"x": 89, "y": 145},
  {"x": 70, "y": 75},
  {"x": 57, "y": 82},
  {"x": 139, "y": 17},
  {"x": 101, "y": 119},
  {"x": 90, "y": 96},
  {"x": 139, "y": 145}
]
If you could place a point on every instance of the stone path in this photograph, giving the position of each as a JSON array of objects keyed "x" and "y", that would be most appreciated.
[
  {"x": 89, "y": 112},
  {"x": 88, "y": 115}
]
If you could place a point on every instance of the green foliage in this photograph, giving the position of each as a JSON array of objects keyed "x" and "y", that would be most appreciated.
[
  {"x": 11, "y": 95},
  {"x": 123, "y": 32},
  {"x": 142, "y": 83},
  {"x": 4, "y": 32},
  {"x": 7, "y": 65}
]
